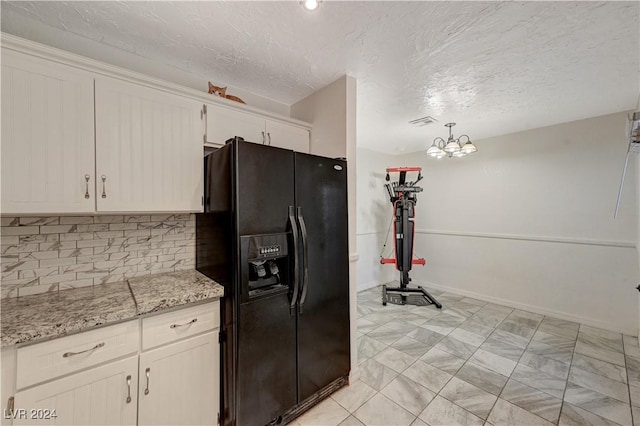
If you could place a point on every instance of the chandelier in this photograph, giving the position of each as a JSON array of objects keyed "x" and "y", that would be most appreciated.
[{"x": 451, "y": 147}]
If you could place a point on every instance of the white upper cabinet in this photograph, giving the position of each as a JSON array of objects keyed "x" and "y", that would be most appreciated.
[
  {"x": 287, "y": 136},
  {"x": 224, "y": 123},
  {"x": 148, "y": 149},
  {"x": 47, "y": 136},
  {"x": 87, "y": 138}
]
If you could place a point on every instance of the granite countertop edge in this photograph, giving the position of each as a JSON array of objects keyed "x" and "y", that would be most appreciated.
[{"x": 42, "y": 317}]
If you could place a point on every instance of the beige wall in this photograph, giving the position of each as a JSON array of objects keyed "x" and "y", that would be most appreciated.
[
  {"x": 326, "y": 110},
  {"x": 528, "y": 221}
]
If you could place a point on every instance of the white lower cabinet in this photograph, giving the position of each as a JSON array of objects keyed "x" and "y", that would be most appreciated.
[
  {"x": 179, "y": 383},
  {"x": 175, "y": 383},
  {"x": 100, "y": 396}
]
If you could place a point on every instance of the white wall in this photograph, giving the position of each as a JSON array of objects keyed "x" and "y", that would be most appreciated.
[
  {"x": 374, "y": 217},
  {"x": 528, "y": 221},
  {"x": 31, "y": 29}
]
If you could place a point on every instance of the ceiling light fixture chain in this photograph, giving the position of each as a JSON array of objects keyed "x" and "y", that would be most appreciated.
[{"x": 452, "y": 147}]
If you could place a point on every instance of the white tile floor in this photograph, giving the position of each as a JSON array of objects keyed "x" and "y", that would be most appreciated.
[{"x": 479, "y": 363}]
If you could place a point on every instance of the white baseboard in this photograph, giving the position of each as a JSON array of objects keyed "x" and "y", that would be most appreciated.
[{"x": 531, "y": 308}]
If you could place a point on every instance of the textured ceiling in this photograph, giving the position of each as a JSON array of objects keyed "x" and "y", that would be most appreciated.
[{"x": 493, "y": 67}]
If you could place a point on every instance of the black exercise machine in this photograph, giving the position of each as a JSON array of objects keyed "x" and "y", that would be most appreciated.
[{"x": 403, "y": 196}]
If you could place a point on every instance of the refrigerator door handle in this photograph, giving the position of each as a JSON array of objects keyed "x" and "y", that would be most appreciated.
[
  {"x": 296, "y": 262},
  {"x": 305, "y": 259}
]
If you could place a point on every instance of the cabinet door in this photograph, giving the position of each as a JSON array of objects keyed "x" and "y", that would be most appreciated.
[
  {"x": 180, "y": 383},
  {"x": 94, "y": 397},
  {"x": 47, "y": 137},
  {"x": 148, "y": 149},
  {"x": 7, "y": 380},
  {"x": 288, "y": 136},
  {"x": 223, "y": 124}
]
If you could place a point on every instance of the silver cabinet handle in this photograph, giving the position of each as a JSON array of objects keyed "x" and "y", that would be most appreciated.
[
  {"x": 104, "y": 190},
  {"x": 269, "y": 137},
  {"x": 86, "y": 181},
  {"x": 203, "y": 112},
  {"x": 128, "y": 388},
  {"x": 147, "y": 372},
  {"x": 185, "y": 324},
  {"x": 10, "y": 403},
  {"x": 68, "y": 354},
  {"x": 263, "y": 140}
]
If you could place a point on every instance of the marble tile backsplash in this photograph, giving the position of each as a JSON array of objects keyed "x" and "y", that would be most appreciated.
[{"x": 40, "y": 254}]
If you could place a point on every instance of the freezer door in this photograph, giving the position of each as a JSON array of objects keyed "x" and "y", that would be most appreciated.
[
  {"x": 323, "y": 316},
  {"x": 266, "y": 375},
  {"x": 264, "y": 188}
]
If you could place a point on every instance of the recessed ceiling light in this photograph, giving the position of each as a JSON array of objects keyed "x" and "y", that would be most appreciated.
[{"x": 310, "y": 5}]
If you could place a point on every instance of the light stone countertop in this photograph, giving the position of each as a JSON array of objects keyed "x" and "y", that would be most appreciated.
[
  {"x": 49, "y": 315},
  {"x": 154, "y": 293}
]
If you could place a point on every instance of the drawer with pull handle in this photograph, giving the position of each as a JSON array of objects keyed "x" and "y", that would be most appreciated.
[
  {"x": 165, "y": 328},
  {"x": 58, "y": 357}
]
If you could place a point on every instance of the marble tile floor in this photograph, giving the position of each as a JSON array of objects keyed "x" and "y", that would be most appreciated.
[{"x": 478, "y": 363}]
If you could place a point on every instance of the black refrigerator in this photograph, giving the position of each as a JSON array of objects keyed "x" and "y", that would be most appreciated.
[{"x": 275, "y": 235}]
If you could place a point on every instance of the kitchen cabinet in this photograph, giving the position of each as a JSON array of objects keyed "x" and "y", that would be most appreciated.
[
  {"x": 100, "y": 396},
  {"x": 7, "y": 382},
  {"x": 79, "y": 379},
  {"x": 79, "y": 136},
  {"x": 47, "y": 136},
  {"x": 224, "y": 123},
  {"x": 179, "y": 367},
  {"x": 179, "y": 383},
  {"x": 108, "y": 376},
  {"x": 143, "y": 152},
  {"x": 287, "y": 136},
  {"x": 148, "y": 149}
]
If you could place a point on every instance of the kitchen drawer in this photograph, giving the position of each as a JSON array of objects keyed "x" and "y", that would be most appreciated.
[
  {"x": 44, "y": 361},
  {"x": 165, "y": 328}
]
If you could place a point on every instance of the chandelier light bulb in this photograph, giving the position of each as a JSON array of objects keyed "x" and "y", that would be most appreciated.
[
  {"x": 434, "y": 150},
  {"x": 469, "y": 148},
  {"x": 452, "y": 147}
]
